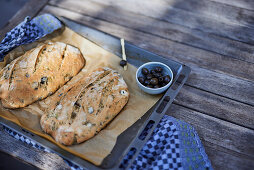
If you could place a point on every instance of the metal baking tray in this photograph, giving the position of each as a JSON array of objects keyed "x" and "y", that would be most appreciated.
[{"x": 133, "y": 138}]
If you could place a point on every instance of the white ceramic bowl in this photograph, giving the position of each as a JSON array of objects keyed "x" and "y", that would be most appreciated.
[{"x": 149, "y": 66}]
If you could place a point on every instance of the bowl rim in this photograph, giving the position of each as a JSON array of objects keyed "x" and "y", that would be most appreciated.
[{"x": 153, "y": 62}]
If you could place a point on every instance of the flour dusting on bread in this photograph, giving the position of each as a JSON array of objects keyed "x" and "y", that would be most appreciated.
[
  {"x": 38, "y": 73},
  {"x": 84, "y": 107}
]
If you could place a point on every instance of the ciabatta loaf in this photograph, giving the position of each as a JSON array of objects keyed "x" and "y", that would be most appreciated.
[
  {"x": 79, "y": 110},
  {"x": 38, "y": 73}
]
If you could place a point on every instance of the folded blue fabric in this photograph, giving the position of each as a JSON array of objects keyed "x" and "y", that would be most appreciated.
[
  {"x": 28, "y": 31},
  {"x": 174, "y": 143}
]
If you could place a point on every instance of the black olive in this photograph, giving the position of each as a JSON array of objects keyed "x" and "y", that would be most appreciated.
[
  {"x": 44, "y": 80},
  {"x": 152, "y": 72},
  {"x": 154, "y": 81},
  {"x": 156, "y": 86},
  {"x": 167, "y": 79},
  {"x": 150, "y": 86},
  {"x": 157, "y": 75},
  {"x": 123, "y": 63},
  {"x": 158, "y": 69},
  {"x": 149, "y": 76},
  {"x": 141, "y": 80},
  {"x": 160, "y": 79},
  {"x": 145, "y": 71},
  {"x": 163, "y": 84},
  {"x": 146, "y": 82}
]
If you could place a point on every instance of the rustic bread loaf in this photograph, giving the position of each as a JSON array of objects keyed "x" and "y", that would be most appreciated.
[
  {"x": 80, "y": 109},
  {"x": 38, "y": 73}
]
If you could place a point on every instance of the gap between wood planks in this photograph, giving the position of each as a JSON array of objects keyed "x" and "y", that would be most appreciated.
[
  {"x": 31, "y": 8},
  {"x": 162, "y": 11},
  {"x": 212, "y": 81},
  {"x": 36, "y": 157},
  {"x": 220, "y": 136},
  {"x": 226, "y": 61},
  {"x": 223, "y": 159},
  {"x": 216, "y": 106},
  {"x": 244, "y": 4},
  {"x": 212, "y": 115},
  {"x": 216, "y": 131},
  {"x": 166, "y": 30},
  {"x": 163, "y": 29},
  {"x": 224, "y": 13}
]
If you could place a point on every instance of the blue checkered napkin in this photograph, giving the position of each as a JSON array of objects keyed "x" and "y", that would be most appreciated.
[
  {"x": 28, "y": 31},
  {"x": 173, "y": 145}
]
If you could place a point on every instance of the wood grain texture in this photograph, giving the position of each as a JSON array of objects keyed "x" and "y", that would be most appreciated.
[
  {"x": 31, "y": 8},
  {"x": 199, "y": 57},
  {"x": 213, "y": 81},
  {"x": 163, "y": 29},
  {"x": 38, "y": 158},
  {"x": 216, "y": 106},
  {"x": 161, "y": 11},
  {"x": 214, "y": 10},
  {"x": 246, "y": 4},
  {"x": 222, "y": 158},
  {"x": 222, "y": 84},
  {"x": 226, "y": 138},
  {"x": 10, "y": 162}
]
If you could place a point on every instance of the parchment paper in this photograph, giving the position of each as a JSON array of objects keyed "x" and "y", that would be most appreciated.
[{"x": 98, "y": 147}]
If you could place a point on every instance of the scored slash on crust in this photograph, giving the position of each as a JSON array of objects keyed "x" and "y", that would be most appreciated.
[{"x": 97, "y": 99}]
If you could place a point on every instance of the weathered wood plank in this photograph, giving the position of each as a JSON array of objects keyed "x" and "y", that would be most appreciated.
[
  {"x": 222, "y": 158},
  {"x": 40, "y": 159},
  {"x": 212, "y": 81},
  {"x": 216, "y": 106},
  {"x": 246, "y": 4},
  {"x": 214, "y": 10},
  {"x": 10, "y": 162},
  {"x": 198, "y": 56},
  {"x": 31, "y": 8},
  {"x": 162, "y": 11},
  {"x": 163, "y": 29},
  {"x": 221, "y": 136},
  {"x": 222, "y": 84}
]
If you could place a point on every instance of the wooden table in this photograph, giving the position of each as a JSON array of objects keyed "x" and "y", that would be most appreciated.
[{"x": 214, "y": 37}]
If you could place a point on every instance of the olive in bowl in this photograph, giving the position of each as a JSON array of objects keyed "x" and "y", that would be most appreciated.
[{"x": 154, "y": 77}]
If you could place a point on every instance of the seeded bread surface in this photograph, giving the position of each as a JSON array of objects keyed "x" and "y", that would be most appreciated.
[
  {"x": 38, "y": 73},
  {"x": 81, "y": 109}
]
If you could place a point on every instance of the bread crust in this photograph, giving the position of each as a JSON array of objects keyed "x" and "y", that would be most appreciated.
[
  {"x": 80, "y": 110},
  {"x": 38, "y": 73}
]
